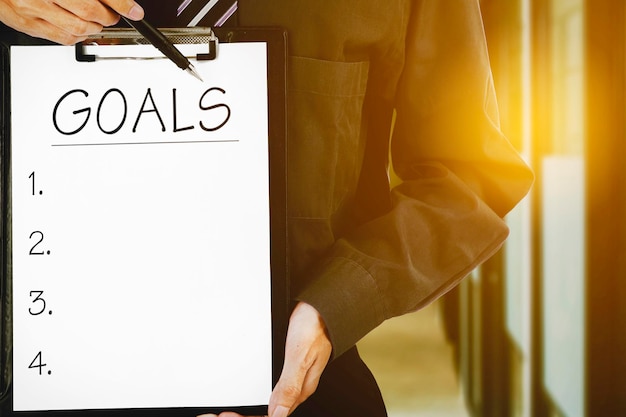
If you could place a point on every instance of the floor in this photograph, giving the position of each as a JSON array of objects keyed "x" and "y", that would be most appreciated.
[{"x": 413, "y": 364}]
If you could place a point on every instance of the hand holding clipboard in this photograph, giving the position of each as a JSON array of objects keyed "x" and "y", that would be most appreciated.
[{"x": 153, "y": 125}]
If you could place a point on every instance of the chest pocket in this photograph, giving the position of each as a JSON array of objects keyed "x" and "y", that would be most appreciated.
[
  {"x": 325, "y": 148},
  {"x": 325, "y": 144}
]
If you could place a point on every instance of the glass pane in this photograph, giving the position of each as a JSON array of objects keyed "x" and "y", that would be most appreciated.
[
  {"x": 563, "y": 213},
  {"x": 567, "y": 75}
]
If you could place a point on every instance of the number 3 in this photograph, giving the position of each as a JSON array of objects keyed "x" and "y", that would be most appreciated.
[{"x": 39, "y": 300}]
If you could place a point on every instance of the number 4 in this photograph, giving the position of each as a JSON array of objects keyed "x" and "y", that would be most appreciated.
[{"x": 38, "y": 363}]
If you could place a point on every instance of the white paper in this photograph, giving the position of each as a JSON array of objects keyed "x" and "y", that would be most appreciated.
[{"x": 156, "y": 290}]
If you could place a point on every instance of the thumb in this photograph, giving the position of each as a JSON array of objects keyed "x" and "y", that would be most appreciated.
[
  {"x": 287, "y": 393},
  {"x": 279, "y": 411},
  {"x": 136, "y": 12},
  {"x": 126, "y": 8},
  {"x": 307, "y": 351}
]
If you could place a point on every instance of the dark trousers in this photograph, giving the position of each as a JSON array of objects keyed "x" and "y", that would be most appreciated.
[{"x": 347, "y": 389}]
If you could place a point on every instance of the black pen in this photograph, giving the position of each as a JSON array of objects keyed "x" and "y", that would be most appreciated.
[{"x": 163, "y": 44}]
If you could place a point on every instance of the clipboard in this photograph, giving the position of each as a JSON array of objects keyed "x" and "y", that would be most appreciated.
[{"x": 154, "y": 279}]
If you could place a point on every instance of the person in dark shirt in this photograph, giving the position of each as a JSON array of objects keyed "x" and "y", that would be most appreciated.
[{"x": 365, "y": 77}]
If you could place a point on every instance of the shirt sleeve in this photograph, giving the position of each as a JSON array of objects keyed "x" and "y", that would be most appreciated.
[{"x": 460, "y": 176}]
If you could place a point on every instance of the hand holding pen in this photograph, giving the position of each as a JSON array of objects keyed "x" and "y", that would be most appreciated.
[
  {"x": 71, "y": 21},
  {"x": 66, "y": 21}
]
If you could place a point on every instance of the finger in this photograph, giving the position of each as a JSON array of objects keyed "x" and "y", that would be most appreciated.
[
  {"x": 290, "y": 388},
  {"x": 231, "y": 414},
  {"x": 60, "y": 17},
  {"x": 48, "y": 31},
  {"x": 126, "y": 8},
  {"x": 37, "y": 27},
  {"x": 90, "y": 11},
  {"x": 225, "y": 414},
  {"x": 68, "y": 22},
  {"x": 291, "y": 391},
  {"x": 307, "y": 351}
]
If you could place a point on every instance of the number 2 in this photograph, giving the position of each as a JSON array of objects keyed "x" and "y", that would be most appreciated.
[{"x": 32, "y": 250}]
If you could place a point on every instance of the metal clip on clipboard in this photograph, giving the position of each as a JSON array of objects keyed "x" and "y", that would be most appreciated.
[{"x": 187, "y": 39}]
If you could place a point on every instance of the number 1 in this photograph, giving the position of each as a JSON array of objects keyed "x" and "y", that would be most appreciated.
[{"x": 32, "y": 177}]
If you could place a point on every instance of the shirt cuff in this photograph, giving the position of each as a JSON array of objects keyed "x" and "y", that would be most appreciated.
[{"x": 344, "y": 316}]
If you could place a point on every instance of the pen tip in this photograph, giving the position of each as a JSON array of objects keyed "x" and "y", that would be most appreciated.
[{"x": 191, "y": 70}]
